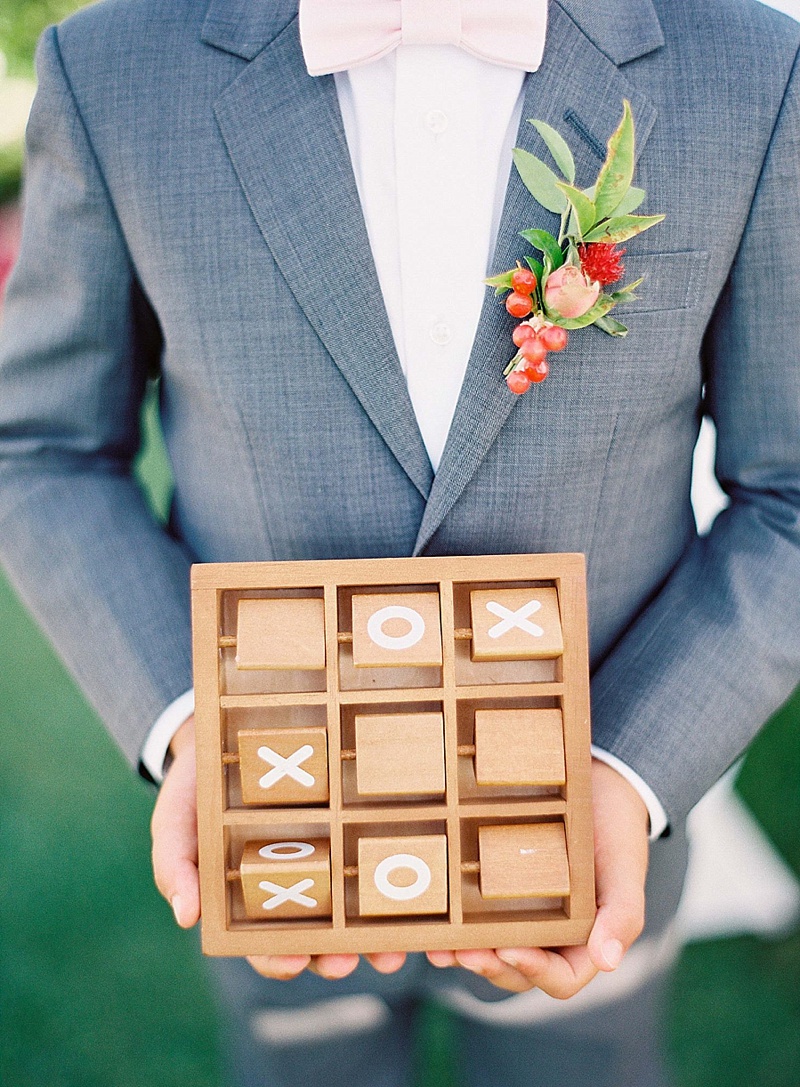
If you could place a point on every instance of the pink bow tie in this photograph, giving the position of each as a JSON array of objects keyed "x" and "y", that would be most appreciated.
[{"x": 341, "y": 34}]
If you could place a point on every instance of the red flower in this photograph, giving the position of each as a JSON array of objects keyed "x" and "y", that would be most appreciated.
[{"x": 602, "y": 262}]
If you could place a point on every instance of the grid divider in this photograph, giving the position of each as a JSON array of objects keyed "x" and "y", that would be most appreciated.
[
  {"x": 451, "y": 751},
  {"x": 225, "y": 934}
]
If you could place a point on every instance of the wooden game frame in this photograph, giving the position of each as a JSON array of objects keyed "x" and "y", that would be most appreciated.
[{"x": 224, "y": 823}]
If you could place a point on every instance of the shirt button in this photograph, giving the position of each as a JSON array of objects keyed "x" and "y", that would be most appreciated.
[
  {"x": 437, "y": 121},
  {"x": 441, "y": 334}
]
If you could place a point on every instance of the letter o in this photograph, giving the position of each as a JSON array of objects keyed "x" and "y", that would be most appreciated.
[
  {"x": 403, "y": 641},
  {"x": 402, "y": 860},
  {"x": 299, "y": 850}
]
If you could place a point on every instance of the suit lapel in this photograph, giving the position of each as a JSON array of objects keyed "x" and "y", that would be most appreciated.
[
  {"x": 284, "y": 133},
  {"x": 579, "y": 91}
]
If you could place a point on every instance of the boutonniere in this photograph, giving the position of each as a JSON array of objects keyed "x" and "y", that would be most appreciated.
[{"x": 566, "y": 290}]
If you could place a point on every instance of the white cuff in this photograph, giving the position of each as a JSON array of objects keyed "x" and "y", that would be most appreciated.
[
  {"x": 658, "y": 817},
  {"x": 155, "y": 747}
]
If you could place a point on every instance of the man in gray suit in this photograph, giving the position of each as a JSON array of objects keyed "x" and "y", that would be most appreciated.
[{"x": 194, "y": 204}]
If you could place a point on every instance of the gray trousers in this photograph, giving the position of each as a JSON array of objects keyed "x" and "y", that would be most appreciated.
[{"x": 359, "y": 1032}]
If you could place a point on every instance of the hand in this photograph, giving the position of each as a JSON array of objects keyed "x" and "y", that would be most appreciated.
[
  {"x": 620, "y": 852},
  {"x": 174, "y": 832}
]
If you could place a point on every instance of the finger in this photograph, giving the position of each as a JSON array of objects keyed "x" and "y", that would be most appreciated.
[
  {"x": 333, "y": 967},
  {"x": 387, "y": 962},
  {"x": 174, "y": 831},
  {"x": 442, "y": 959},
  {"x": 279, "y": 967},
  {"x": 486, "y": 964},
  {"x": 560, "y": 974}
]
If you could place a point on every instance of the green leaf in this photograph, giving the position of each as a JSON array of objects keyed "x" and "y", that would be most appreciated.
[
  {"x": 558, "y": 148},
  {"x": 625, "y": 294},
  {"x": 500, "y": 283},
  {"x": 601, "y": 307},
  {"x": 546, "y": 243},
  {"x": 622, "y": 227},
  {"x": 612, "y": 327},
  {"x": 630, "y": 201},
  {"x": 585, "y": 211},
  {"x": 536, "y": 267},
  {"x": 616, "y": 174},
  {"x": 540, "y": 181}
]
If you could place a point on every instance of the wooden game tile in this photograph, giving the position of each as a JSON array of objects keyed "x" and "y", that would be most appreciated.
[
  {"x": 523, "y": 861},
  {"x": 515, "y": 624},
  {"x": 404, "y": 875},
  {"x": 399, "y": 630},
  {"x": 287, "y": 879},
  {"x": 284, "y": 766},
  {"x": 400, "y": 753},
  {"x": 519, "y": 747},
  {"x": 281, "y": 633}
]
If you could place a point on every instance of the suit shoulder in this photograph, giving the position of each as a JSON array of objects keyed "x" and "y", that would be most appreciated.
[
  {"x": 112, "y": 25},
  {"x": 743, "y": 30}
]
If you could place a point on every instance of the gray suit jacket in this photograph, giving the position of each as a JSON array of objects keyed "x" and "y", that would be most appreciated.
[{"x": 190, "y": 204}]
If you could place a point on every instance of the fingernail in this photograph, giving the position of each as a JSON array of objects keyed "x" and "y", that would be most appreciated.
[
  {"x": 508, "y": 957},
  {"x": 613, "y": 951},
  {"x": 177, "y": 907}
]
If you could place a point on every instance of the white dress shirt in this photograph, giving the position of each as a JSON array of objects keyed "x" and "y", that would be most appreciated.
[{"x": 430, "y": 130}]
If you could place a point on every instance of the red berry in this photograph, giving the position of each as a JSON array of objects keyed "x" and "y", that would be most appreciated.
[
  {"x": 536, "y": 371},
  {"x": 533, "y": 350},
  {"x": 522, "y": 333},
  {"x": 554, "y": 337},
  {"x": 523, "y": 281},
  {"x": 519, "y": 305},
  {"x": 517, "y": 382}
]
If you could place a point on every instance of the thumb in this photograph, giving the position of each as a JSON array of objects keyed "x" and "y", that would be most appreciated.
[
  {"x": 621, "y": 855},
  {"x": 174, "y": 833}
]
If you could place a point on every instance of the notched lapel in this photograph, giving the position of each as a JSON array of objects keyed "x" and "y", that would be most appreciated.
[
  {"x": 580, "y": 92},
  {"x": 284, "y": 134}
]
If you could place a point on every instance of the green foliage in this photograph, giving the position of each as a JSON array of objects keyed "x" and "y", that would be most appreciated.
[
  {"x": 582, "y": 206},
  {"x": 545, "y": 243},
  {"x": 558, "y": 148},
  {"x": 540, "y": 181},
  {"x": 611, "y": 326},
  {"x": 622, "y": 227},
  {"x": 21, "y": 23},
  {"x": 10, "y": 172},
  {"x": 616, "y": 175}
]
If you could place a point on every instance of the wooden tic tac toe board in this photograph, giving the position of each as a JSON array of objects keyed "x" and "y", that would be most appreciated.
[{"x": 393, "y": 754}]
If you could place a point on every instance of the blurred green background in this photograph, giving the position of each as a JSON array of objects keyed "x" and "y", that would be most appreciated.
[{"x": 98, "y": 987}]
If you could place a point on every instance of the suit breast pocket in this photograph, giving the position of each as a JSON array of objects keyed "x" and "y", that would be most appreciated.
[{"x": 672, "y": 281}]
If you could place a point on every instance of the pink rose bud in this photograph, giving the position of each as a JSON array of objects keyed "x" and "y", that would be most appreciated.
[{"x": 568, "y": 293}]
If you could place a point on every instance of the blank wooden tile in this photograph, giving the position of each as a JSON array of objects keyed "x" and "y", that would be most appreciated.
[
  {"x": 515, "y": 624},
  {"x": 285, "y": 766},
  {"x": 519, "y": 747},
  {"x": 524, "y": 860},
  {"x": 404, "y": 875},
  {"x": 281, "y": 633},
  {"x": 282, "y": 879},
  {"x": 397, "y": 630},
  {"x": 400, "y": 753}
]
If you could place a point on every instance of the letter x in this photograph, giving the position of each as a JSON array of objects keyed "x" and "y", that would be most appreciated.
[
  {"x": 510, "y": 619},
  {"x": 286, "y": 767},
  {"x": 287, "y": 894}
]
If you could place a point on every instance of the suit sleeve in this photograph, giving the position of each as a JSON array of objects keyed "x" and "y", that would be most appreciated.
[
  {"x": 106, "y": 582},
  {"x": 718, "y": 650}
]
